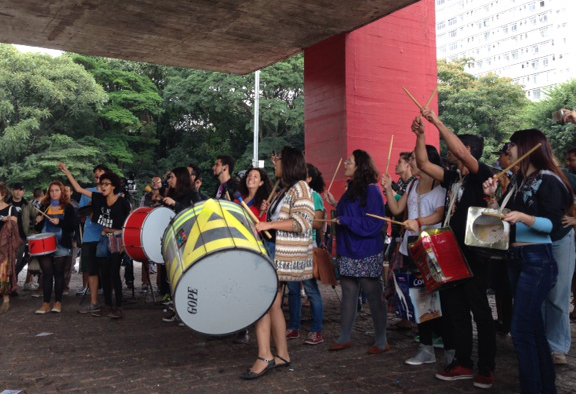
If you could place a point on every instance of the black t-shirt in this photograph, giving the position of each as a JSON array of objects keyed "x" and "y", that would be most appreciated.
[
  {"x": 470, "y": 194},
  {"x": 231, "y": 186},
  {"x": 544, "y": 195},
  {"x": 18, "y": 207},
  {"x": 112, "y": 216},
  {"x": 7, "y": 212}
]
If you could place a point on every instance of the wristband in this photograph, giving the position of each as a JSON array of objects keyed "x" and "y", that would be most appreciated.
[{"x": 419, "y": 223}]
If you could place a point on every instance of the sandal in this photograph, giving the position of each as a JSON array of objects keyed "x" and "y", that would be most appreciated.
[
  {"x": 249, "y": 375},
  {"x": 285, "y": 363}
]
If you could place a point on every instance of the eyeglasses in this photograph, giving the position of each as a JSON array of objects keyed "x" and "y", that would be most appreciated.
[
  {"x": 348, "y": 162},
  {"x": 511, "y": 144},
  {"x": 105, "y": 184},
  {"x": 170, "y": 177}
]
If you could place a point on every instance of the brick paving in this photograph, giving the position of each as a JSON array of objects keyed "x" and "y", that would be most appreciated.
[{"x": 142, "y": 354}]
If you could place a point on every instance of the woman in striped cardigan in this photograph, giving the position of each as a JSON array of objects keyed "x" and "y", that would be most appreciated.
[{"x": 290, "y": 219}]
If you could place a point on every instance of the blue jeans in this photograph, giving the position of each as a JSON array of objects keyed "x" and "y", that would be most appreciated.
[
  {"x": 295, "y": 302},
  {"x": 556, "y": 308},
  {"x": 533, "y": 273}
]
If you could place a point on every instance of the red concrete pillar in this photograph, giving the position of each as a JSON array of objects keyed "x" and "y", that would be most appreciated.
[{"x": 353, "y": 85}]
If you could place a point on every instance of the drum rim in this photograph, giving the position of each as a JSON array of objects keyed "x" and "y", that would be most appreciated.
[
  {"x": 41, "y": 236},
  {"x": 173, "y": 293},
  {"x": 141, "y": 248}
]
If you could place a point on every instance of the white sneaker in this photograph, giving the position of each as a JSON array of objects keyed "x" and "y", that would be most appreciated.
[
  {"x": 559, "y": 358},
  {"x": 425, "y": 355}
]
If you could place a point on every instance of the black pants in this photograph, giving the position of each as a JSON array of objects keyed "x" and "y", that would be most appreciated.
[
  {"x": 53, "y": 274},
  {"x": 110, "y": 277},
  {"x": 164, "y": 284},
  {"x": 470, "y": 297}
]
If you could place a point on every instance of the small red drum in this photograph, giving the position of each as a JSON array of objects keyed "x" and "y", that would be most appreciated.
[
  {"x": 439, "y": 258},
  {"x": 142, "y": 233},
  {"x": 41, "y": 244}
]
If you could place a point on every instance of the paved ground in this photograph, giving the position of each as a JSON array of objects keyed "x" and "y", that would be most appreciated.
[{"x": 142, "y": 354}]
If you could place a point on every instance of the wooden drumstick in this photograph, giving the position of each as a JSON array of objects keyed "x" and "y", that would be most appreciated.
[
  {"x": 494, "y": 215},
  {"x": 431, "y": 98},
  {"x": 43, "y": 214},
  {"x": 271, "y": 196},
  {"x": 390, "y": 153},
  {"x": 254, "y": 218},
  {"x": 525, "y": 155},
  {"x": 334, "y": 176},
  {"x": 325, "y": 220},
  {"x": 385, "y": 219},
  {"x": 412, "y": 97}
]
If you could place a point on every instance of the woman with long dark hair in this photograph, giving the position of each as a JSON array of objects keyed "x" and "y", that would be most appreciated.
[
  {"x": 290, "y": 217},
  {"x": 423, "y": 203},
  {"x": 110, "y": 211},
  {"x": 56, "y": 205},
  {"x": 181, "y": 192},
  {"x": 360, "y": 249},
  {"x": 541, "y": 197},
  {"x": 255, "y": 186}
]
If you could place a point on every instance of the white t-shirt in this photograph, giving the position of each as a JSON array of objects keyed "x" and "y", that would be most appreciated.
[{"x": 429, "y": 203}]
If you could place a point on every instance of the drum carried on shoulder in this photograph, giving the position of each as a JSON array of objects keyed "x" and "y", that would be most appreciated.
[{"x": 220, "y": 275}]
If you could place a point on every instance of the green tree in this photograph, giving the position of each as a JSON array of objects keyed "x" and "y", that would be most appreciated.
[
  {"x": 44, "y": 101},
  {"x": 489, "y": 106},
  {"x": 539, "y": 115}
]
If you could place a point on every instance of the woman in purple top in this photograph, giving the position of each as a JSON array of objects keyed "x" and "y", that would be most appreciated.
[{"x": 360, "y": 248}]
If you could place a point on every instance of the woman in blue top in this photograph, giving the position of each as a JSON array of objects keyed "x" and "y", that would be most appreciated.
[
  {"x": 56, "y": 205},
  {"x": 542, "y": 195},
  {"x": 360, "y": 248}
]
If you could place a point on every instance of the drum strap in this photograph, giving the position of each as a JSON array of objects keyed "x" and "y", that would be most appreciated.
[
  {"x": 506, "y": 199},
  {"x": 455, "y": 190}
]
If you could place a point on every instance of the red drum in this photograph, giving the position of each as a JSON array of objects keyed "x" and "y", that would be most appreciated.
[
  {"x": 142, "y": 233},
  {"x": 439, "y": 258},
  {"x": 41, "y": 244}
]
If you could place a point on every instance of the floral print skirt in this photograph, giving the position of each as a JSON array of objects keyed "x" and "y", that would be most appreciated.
[{"x": 368, "y": 267}]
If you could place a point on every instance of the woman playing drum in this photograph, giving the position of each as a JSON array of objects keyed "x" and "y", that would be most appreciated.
[
  {"x": 181, "y": 192},
  {"x": 424, "y": 204},
  {"x": 110, "y": 211},
  {"x": 290, "y": 217},
  {"x": 360, "y": 248},
  {"x": 542, "y": 196},
  {"x": 56, "y": 205}
]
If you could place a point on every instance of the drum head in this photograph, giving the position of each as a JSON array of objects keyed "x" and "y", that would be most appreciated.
[
  {"x": 488, "y": 229},
  {"x": 226, "y": 291},
  {"x": 39, "y": 237},
  {"x": 152, "y": 232}
]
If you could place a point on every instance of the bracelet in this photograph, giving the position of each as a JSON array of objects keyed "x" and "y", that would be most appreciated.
[
  {"x": 419, "y": 223},
  {"x": 491, "y": 199}
]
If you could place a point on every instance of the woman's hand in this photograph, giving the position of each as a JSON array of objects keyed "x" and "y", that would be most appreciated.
[
  {"x": 568, "y": 221},
  {"x": 386, "y": 182},
  {"x": 168, "y": 201},
  {"x": 263, "y": 226},
  {"x": 63, "y": 168},
  {"x": 430, "y": 115},
  {"x": 515, "y": 217},
  {"x": 330, "y": 199},
  {"x": 418, "y": 126},
  {"x": 55, "y": 221},
  {"x": 264, "y": 206},
  {"x": 412, "y": 225},
  {"x": 490, "y": 186}
]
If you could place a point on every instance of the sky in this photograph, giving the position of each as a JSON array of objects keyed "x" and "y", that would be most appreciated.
[{"x": 51, "y": 52}]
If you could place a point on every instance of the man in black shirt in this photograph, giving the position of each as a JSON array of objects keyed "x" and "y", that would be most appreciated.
[
  {"x": 222, "y": 169},
  {"x": 468, "y": 296},
  {"x": 27, "y": 215}
]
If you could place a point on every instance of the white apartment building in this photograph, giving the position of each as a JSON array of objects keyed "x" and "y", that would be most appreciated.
[{"x": 531, "y": 41}]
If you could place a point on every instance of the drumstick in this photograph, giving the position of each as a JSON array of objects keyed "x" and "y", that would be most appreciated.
[
  {"x": 325, "y": 220},
  {"x": 525, "y": 155},
  {"x": 253, "y": 216},
  {"x": 494, "y": 215},
  {"x": 431, "y": 97},
  {"x": 385, "y": 219},
  {"x": 43, "y": 214},
  {"x": 412, "y": 97},
  {"x": 334, "y": 176},
  {"x": 271, "y": 196},
  {"x": 390, "y": 153}
]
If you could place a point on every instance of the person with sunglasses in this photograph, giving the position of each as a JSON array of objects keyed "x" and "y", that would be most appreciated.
[{"x": 110, "y": 211}]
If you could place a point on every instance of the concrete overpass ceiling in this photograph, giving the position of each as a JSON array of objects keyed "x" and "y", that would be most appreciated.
[{"x": 233, "y": 36}]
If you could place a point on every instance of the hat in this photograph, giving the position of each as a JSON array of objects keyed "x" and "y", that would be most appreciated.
[
  {"x": 18, "y": 186},
  {"x": 504, "y": 149}
]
